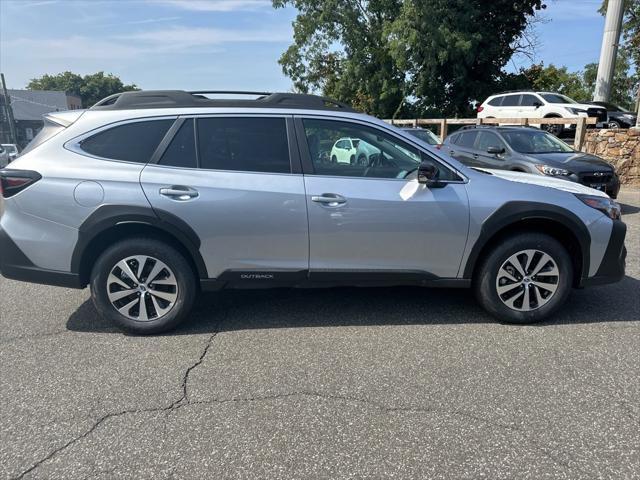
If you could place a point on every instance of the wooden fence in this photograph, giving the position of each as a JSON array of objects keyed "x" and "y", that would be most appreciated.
[{"x": 580, "y": 122}]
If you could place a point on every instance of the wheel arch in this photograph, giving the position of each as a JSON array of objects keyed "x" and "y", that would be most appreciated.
[
  {"x": 520, "y": 217},
  {"x": 112, "y": 223}
]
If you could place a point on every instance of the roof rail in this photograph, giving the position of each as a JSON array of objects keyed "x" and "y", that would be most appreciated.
[
  {"x": 469, "y": 127},
  {"x": 179, "y": 99},
  {"x": 515, "y": 91}
]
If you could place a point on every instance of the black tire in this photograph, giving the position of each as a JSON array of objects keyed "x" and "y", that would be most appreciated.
[
  {"x": 352, "y": 159},
  {"x": 486, "y": 278},
  {"x": 362, "y": 160},
  {"x": 334, "y": 159},
  {"x": 614, "y": 124},
  {"x": 554, "y": 129},
  {"x": 183, "y": 275}
]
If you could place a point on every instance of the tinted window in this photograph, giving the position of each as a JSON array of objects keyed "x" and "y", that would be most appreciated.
[
  {"x": 245, "y": 144},
  {"x": 132, "y": 142},
  {"x": 495, "y": 102},
  {"x": 466, "y": 139},
  {"x": 425, "y": 135},
  {"x": 556, "y": 98},
  {"x": 529, "y": 100},
  {"x": 182, "y": 149},
  {"x": 376, "y": 154},
  {"x": 485, "y": 140},
  {"x": 511, "y": 101}
]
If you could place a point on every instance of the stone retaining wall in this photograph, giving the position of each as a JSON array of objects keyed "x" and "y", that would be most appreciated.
[{"x": 619, "y": 147}]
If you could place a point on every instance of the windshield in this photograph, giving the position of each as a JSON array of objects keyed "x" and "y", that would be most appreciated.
[
  {"x": 556, "y": 98},
  {"x": 535, "y": 142},
  {"x": 425, "y": 135}
]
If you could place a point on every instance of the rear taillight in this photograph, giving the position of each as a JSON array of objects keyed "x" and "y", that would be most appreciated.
[
  {"x": 14, "y": 181},
  {"x": 480, "y": 108}
]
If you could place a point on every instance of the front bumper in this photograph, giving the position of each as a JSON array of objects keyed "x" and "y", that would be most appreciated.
[
  {"x": 607, "y": 183},
  {"x": 612, "y": 267},
  {"x": 14, "y": 264}
]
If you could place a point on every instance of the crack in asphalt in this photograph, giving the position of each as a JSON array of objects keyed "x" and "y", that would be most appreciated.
[{"x": 183, "y": 400}]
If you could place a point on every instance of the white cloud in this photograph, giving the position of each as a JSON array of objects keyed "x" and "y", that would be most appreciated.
[
  {"x": 215, "y": 5},
  {"x": 144, "y": 43},
  {"x": 180, "y": 38}
]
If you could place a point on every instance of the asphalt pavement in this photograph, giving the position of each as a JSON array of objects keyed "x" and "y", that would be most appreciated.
[{"x": 337, "y": 383}]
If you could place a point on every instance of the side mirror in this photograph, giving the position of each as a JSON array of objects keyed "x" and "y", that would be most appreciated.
[
  {"x": 537, "y": 104},
  {"x": 495, "y": 150},
  {"x": 429, "y": 175}
]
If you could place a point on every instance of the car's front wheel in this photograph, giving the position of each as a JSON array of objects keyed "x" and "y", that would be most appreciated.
[
  {"x": 525, "y": 278},
  {"x": 144, "y": 286}
]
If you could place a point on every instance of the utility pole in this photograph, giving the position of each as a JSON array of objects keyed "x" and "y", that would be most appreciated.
[
  {"x": 609, "y": 50},
  {"x": 8, "y": 111}
]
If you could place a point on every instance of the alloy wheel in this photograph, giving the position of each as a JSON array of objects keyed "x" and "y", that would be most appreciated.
[
  {"x": 142, "y": 288},
  {"x": 527, "y": 280}
]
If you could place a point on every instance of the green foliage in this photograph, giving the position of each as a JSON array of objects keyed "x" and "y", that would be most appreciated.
[
  {"x": 399, "y": 57},
  {"x": 629, "y": 51},
  {"x": 90, "y": 88}
]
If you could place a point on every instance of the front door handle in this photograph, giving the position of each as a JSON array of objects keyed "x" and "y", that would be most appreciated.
[
  {"x": 329, "y": 199},
  {"x": 179, "y": 192}
]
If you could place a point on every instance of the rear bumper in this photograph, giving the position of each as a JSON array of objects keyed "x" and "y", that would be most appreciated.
[
  {"x": 14, "y": 264},
  {"x": 612, "y": 267}
]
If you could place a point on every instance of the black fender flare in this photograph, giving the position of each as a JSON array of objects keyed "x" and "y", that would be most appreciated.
[
  {"x": 513, "y": 212},
  {"x": 108, "y": 216}
]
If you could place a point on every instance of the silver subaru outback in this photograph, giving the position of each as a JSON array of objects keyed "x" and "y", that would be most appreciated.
[{"x": 149, "y": 197}]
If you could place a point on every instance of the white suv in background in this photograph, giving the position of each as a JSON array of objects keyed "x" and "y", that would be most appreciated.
[{"x": 527, "y": 104}]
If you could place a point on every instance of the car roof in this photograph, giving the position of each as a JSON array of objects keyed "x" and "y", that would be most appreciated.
[
  {"x": 161, "y": 99},
  {"x": 498, "y": 128}
]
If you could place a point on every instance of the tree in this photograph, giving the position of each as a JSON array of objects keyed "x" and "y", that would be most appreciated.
[
  {"x": 629, "y": 51},
  {"x": 624, "y": 86},
  {"x": 90, "y": 88},
  {"x": 389, "y": 57},
  {"x": 557, "y": 79}
]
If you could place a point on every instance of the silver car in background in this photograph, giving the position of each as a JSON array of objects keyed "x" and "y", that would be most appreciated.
[{"x": 150, "y": 197}]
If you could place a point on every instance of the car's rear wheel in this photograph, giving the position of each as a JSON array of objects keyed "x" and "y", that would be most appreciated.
[
  {"x": 144, "y": 286},
  {"x": 613, "y": 124},
  {"x": 526, "y": 278}
]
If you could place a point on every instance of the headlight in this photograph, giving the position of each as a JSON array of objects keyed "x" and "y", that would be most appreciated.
[
  {"x": 607, "y": 206},
  {"x": 576, "y": 111},
  {"x": 629, "y": 116},
  {"x": 553, "y": 171}
]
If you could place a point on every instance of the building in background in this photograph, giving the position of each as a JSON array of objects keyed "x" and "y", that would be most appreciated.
[{"x": 28, "y": 108}]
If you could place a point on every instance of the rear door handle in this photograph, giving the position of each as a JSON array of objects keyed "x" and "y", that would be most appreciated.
[
  {"x": 329, "y": 199},
  {"x": 179, "y": 192}
]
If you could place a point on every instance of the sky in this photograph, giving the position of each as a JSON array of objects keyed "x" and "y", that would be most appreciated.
[{"x": 210, "y": 44}]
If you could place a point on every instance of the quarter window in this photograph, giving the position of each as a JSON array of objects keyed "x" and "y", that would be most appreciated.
[
  {"x": 243, "y": 144},
  {"x": 496, "y": 102},
  {"x": 131, "y": 142}
]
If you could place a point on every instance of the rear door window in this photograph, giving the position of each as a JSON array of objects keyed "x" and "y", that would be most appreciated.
[
  {"x": 511, "y": 101},
  {"x": 181, "y": 152},
  {"x": 466, "y": 139},
  {"x": 130, "y": 142},
  {"x": 249, "y": 144}
]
